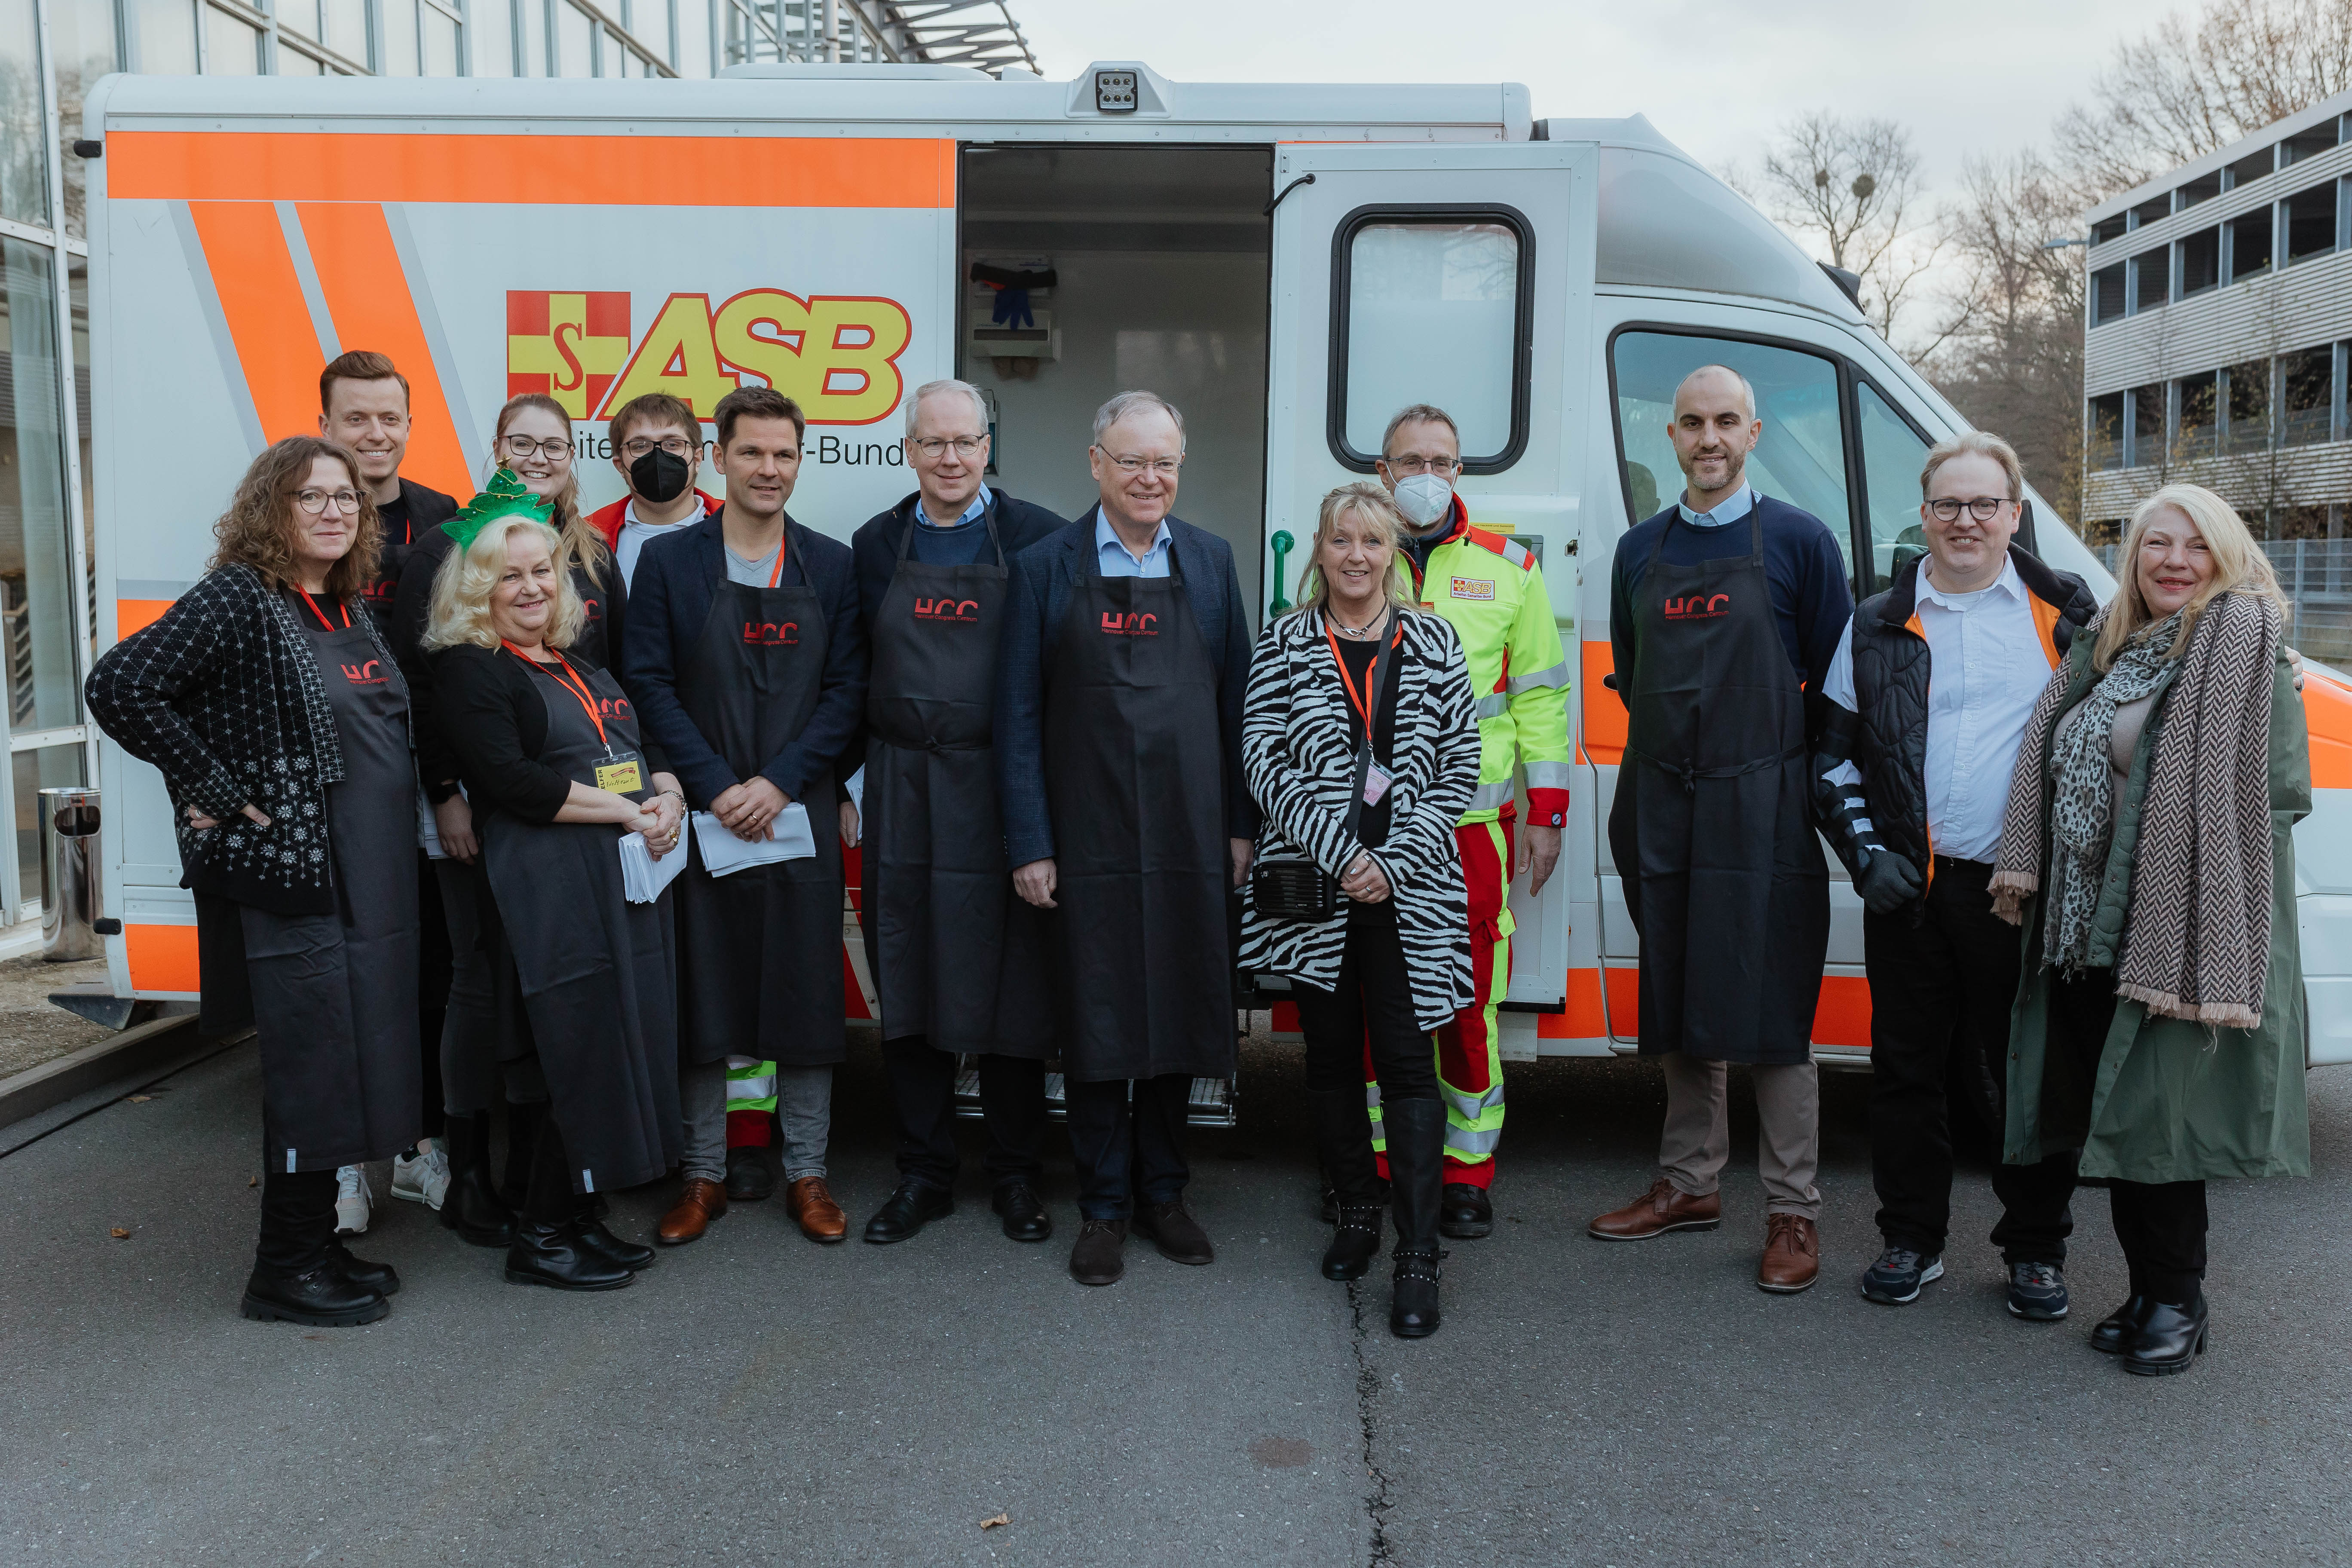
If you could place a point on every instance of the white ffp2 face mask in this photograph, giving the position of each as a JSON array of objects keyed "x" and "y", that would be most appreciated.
[{"x": 1423, "y": 498}]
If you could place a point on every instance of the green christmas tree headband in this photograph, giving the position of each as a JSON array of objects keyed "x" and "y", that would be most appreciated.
[{"x": 505, "y": 498}]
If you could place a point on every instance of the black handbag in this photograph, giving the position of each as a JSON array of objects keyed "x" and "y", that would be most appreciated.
[{"x": 1294, "y": 888}]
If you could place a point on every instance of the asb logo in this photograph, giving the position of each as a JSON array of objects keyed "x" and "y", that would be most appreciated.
[
  {"x": 946, "y": 609},
  {"x": 836, "y": 355},
  {"x": 1472, "y": 588},
  {"x": 1133, "y": 623},
  {"x": 368, "y": 674},
  {"x": 772, "y": 633},
  {"x": 1698, "y": 606}
]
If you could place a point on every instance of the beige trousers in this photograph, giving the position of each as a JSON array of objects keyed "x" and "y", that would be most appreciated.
[{"x": 1697, "y": 1140}]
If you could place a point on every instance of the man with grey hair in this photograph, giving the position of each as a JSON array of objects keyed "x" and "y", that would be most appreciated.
[
  {"x": 1119, "y": 716},
  {"x": 959, "y": 964},
  {"x": 1725, "y": 612}
]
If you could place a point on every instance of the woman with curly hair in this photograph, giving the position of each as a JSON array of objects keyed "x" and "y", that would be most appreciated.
[{"x": 272, "y": 705}]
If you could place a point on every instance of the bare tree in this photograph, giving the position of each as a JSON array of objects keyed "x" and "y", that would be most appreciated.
[
  {"x": 1855, "y": 186},
  {"x": 2186, "y": 88}
]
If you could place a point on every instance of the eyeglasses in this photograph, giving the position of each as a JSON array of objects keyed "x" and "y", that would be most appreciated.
[
  {"x": 1984, "y": 509},
  {"x": 932, "y": 446},
  {"x": 638, "y": 446},
  {"x": 1165, "y": 468},
  {"x": 552, "y": 449},
  {"x": 1420, "y": 465},
  {"x": 313, "y": 502}
]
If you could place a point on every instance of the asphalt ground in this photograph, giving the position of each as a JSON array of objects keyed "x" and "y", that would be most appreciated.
[{"x": 756, "y": 1399}]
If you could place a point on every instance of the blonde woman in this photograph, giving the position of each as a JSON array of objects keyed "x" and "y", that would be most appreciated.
[
  {"x": 1359, "y": 739},
  {"x": 583, "y": 980},
  {"x": 2147, "y": 850}
]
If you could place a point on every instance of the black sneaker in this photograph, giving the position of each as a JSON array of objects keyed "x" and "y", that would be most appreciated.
[
  {"x": 1897, "y": 1275},
  {"x": 2037, "y": 1293}
]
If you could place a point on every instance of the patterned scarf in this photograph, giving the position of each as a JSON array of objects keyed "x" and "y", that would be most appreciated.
[
  {"x": 2082, "y": 812},
  {"x": 2196, "y": 931}
]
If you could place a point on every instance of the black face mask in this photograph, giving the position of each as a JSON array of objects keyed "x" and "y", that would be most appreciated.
[{"x": 658, "y": 476}]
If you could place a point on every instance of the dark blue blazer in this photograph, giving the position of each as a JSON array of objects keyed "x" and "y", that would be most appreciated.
[
  {"x": 676, "y": 580},
  {"x": 1044, "y": 576}
]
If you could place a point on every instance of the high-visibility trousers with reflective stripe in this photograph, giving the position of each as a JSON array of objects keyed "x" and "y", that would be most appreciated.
[
  {"x": 1469, "y": 1049},
  {"x": 750, "y": 1102}
]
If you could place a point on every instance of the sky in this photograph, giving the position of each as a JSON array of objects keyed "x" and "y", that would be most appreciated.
[{"x": 1986, "y": 76}]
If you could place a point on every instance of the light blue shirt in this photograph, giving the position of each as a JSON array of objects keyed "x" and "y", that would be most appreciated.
[
  {"x": 979, "y": 504},
  {"x": 1115, "y": 559},
  {"x": 1729, "y": 510}
]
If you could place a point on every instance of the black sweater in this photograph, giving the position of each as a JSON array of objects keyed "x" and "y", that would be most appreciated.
[{"x": 493, "y": 720}]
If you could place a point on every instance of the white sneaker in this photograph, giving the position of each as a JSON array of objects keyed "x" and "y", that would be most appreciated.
[
  {"x": 425, "y": 1179},
  {"x": 353, "y": 1200}
]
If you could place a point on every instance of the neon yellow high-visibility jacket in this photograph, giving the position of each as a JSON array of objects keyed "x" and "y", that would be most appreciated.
[{"x": 1491, "y": 590}]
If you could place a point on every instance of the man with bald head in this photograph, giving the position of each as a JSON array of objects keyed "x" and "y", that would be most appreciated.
[{"x": 1725, "y": 612}]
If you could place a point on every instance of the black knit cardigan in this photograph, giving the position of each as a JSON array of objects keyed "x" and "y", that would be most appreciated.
[{"x": 222, "y": 695}]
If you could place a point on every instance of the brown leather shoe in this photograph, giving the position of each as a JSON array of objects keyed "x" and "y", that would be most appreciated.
[
  {"x": 810, "y": 1200},
  {"x": 1792, "y": 1255},
  {"x": 1663, "y": 1209},
  {"x": 699, "y": 1202}
]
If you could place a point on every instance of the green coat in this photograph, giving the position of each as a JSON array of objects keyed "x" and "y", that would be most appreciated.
[{"x": 2172, "y": 1103}]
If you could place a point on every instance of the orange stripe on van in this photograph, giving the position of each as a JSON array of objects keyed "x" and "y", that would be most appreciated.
[
  {"x": 2327, "y": 714},
  {"x": 368, "y": 296},
  {"x": 161, "y": 958},
  {"x": 276, "y": 347},
  {"x": 516, "y": 171},
  {"x": 137, "y": 614},
  {"x": 1584, "y": 1019},
  {"x": 1604, "y": 713}
]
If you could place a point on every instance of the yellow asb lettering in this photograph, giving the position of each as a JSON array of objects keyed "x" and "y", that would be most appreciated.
[
  {"x": 835, "y": 357},
  {"x": 676, "y": 356}
]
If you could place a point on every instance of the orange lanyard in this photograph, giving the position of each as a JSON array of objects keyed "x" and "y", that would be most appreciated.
[
  {"x": 1362, "y": 705},
  {"x": 321, "y": 614},
  {"x": 574, "y": 685}
]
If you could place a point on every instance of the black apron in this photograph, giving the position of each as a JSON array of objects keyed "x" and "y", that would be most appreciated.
[
  {"x": 1135, "y": 785},
  {"x": 1712, "y": 829},
  {"x": 334, "y": 997},
  {"x": 598, "y": 975},
  {"x": 956, "y": 956},
  {"x": 761, "y": 949}
]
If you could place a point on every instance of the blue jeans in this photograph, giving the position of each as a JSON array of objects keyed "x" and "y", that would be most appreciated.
[{"x": 1125, "y": 1149}]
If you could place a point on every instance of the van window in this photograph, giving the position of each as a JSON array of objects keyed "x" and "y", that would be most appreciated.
[
  {"x": 1800, "y": 457},
  {"x": 1892, "y": 456},
  {"x": 1436, "y": 312}
]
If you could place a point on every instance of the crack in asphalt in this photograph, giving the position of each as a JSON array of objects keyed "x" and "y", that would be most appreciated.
[{"x": 1368, "y": 1387}]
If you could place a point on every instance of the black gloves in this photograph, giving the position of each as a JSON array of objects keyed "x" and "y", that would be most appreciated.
[{"x": 1888, "y": 883}]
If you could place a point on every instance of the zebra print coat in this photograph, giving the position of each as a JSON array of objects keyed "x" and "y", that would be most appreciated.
[{"x": 1298, "y": 750}]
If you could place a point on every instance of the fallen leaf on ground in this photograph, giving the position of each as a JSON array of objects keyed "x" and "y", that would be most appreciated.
[
  {"x": 253, "y": 1180},
  {"x": 141, "y": 1098},
  {"x": 992, "y": 1523},
  {"x": 119, "y": 1233}
]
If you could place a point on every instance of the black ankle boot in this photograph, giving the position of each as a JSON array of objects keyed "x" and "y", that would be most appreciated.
[
  {"x": 552, "y": 1254},
  {"x": 472, "y": 1207},
  {"x": 1343, "y": 1138},
  {"x": 380, "y": 1277},
  {"x": 2168, "y": 1339},
  {"x": 2113, "y": 1336},
  {"x": 1416, "y": 1129},
  {"x": 522, "y": 1136},
  {"x": 593, "y": 1238}
]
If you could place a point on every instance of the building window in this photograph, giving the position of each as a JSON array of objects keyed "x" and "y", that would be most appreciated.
[
  {"x": 2250, "y": 244},
  {"x": 36, "y": 564},
  {"x": 2203, "y": 189},
  {"x": 2307, "y": 143},
  {"x": 2194, "y": 435},
  {"x": 345, "y": 29},
  {"x": 2249, "y": 425},
  {"x": 2108, "y": 294},
  {"x": 2103, "y": 433},
  {"x": 2246, "y": 171},
  {"x": 25, "y": 170},
  {"x": 2108, "y": 228},
  {"x": 2200, "y": 262},
  {"x": 2146, "y": 426},
  {"x": 2307, "y": 396},
  {"x": 399, "y": 18},
  {"x": 2148, "y": 212},
  {"x": 162, "y": 36},
  {"x": 575, "y": 42},
  {"x": 2152, "y": 279},
  {"x": 2310, "y": 223},
  {"x": 232, "y": 48}
]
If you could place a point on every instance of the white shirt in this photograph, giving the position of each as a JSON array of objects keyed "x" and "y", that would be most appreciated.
[
  {"x": 1987, "y": 668},
  {"x": 1115, "y": 559},
  {"x": 634, "y": 535},
  {"x": 1727, "y": 511}
]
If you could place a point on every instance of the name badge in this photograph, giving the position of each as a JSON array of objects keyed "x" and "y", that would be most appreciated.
[
  {"x": 621, "y": 778},
  {"x": 1376, "y": 784}
]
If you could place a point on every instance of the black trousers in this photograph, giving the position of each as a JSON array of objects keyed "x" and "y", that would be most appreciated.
[
  {"x": 1369, "y": 1007},
  {"x": 922, "y": 1091},
  {"x": 1940, "y": 983},
  {"x": 433, "y": 969},
  {"x": 1128, "y": 1148},
  {"x": 298, "y": 1219},
  {"x": 2161, "y": 1226}
]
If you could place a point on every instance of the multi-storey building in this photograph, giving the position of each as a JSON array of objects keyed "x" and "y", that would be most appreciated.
[
  {"x": 51, "y": 51},
  {"x": 2219, "y": 321}
]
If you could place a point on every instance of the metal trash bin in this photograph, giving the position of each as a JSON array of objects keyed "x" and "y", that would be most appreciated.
[{"x": 70, "y": 884}]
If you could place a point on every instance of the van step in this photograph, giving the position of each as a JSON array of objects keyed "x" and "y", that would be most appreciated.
[{"x": 1214, "y": 1103}]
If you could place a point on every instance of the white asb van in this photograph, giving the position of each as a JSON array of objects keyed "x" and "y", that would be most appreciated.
[{"x": 1287, "y": 264}]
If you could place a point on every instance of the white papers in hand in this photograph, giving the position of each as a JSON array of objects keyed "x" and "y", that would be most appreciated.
[
  {"x": 723, "y": 853},
  {"x": 643, "y": 877}
]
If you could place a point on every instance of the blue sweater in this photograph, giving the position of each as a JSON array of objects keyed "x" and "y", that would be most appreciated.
[
  {"x": 677, "y": 578},
  {"x": 1044, "y": 576},
  {"x": 1810, "y": 596}
]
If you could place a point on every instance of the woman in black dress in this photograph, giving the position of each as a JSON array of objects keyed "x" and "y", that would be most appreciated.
[
  {"x": 585, "y": 981},
  {"x": 279, "y": 720}
]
